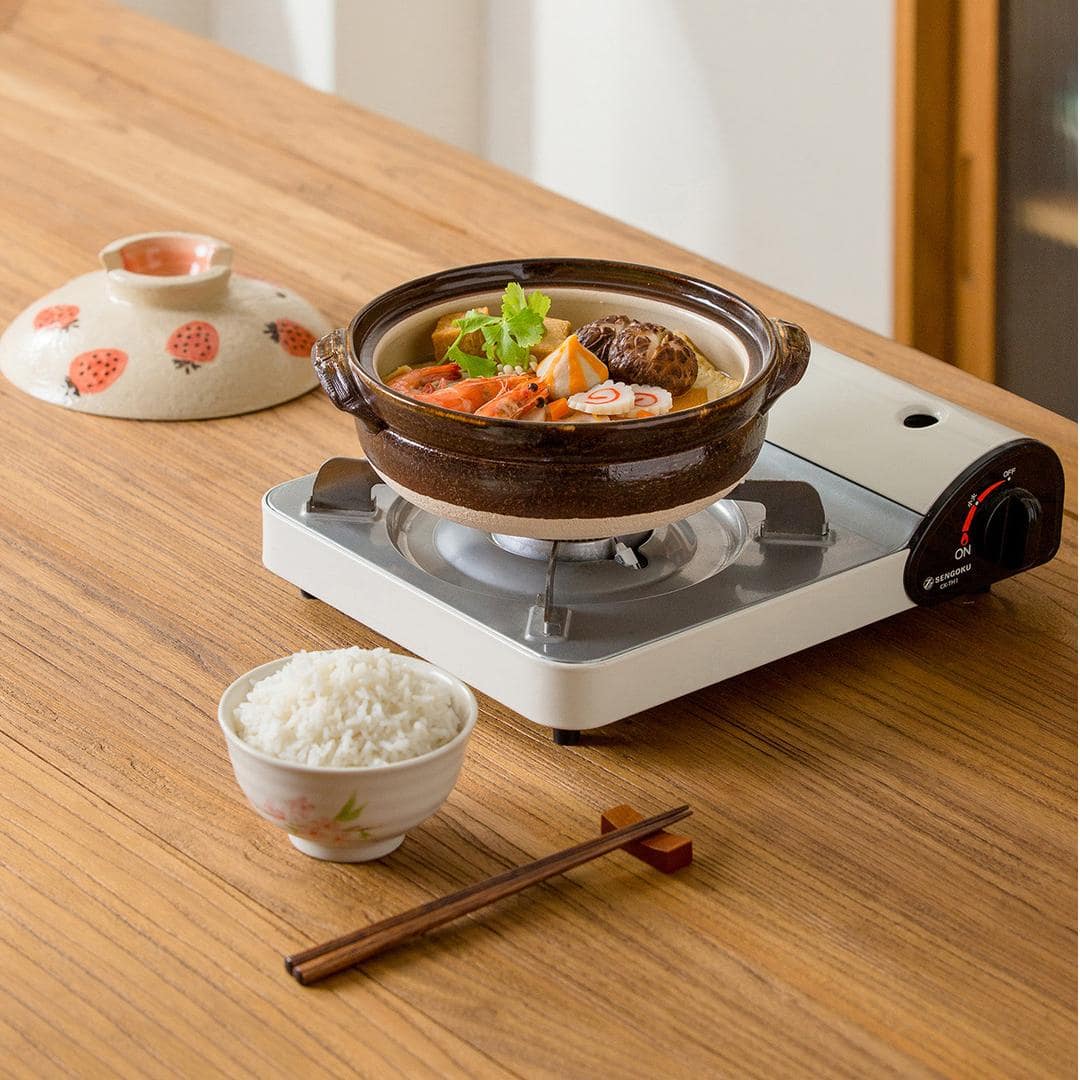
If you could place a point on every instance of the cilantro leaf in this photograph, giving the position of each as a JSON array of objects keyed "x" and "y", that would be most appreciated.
[
  {"x": 492, "y": 334},
  {"x": 526, "y": 327},
  {"x": 474, "y": 367},
  {"x": 509, "y": 349},
  {"x": 507, "y": 337},
  {"x": 474, "y": 320},
  {"x": 539, "y": 303},
  {"x": 513, "y": 299}
]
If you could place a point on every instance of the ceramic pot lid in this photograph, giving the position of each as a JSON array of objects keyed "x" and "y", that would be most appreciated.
[{"x": 166, "y": 331}]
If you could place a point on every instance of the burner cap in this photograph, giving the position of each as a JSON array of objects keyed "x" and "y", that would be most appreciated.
[{"x": 569, "y": 550}]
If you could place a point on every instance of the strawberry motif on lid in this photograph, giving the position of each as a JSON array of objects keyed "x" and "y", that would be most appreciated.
[
  {"x": 295, "y": 339},
  {"x": 58, "y": 316},
  {"x": 96, "y": 370},
  {"x": 192, "y": 344}
]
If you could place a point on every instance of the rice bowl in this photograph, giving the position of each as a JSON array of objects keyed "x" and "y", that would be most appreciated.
[{"x": 347, "y": 813}]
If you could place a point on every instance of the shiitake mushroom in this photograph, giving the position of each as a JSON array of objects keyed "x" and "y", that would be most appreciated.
[
  {"x": 598, "y": 335},
  {"x": 652, "y": 355},
  {"x": 642, "y": 353}
]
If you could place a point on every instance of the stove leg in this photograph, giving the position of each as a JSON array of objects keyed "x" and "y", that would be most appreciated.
[
  {"x": 566, "y": 737},
  {"x": 307, "y": 595}
]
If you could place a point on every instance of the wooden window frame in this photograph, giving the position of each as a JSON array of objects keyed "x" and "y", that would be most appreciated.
[{"x": 945, "y": 211}]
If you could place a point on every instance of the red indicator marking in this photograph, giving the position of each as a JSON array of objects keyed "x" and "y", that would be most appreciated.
[
  {"x": 966, "y": 527},
  {"x": 988, "y": 490}
]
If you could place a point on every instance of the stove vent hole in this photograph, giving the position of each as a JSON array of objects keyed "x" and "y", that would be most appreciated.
[{"x": 920, "y": 420}]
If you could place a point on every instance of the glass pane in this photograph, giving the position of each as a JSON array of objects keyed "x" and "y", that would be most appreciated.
[{"x": 1037, "y": 203}]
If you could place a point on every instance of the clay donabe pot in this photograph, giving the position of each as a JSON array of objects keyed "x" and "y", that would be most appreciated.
[{"x": 564, "y": 481}]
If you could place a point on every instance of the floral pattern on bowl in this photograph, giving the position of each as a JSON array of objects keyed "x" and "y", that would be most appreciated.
[{"x": 297, "y": 817}]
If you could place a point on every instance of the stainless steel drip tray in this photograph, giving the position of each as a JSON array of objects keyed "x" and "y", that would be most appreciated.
[
  {"x": 674, "y": 556},
  {"x": 701, "y": 569}
]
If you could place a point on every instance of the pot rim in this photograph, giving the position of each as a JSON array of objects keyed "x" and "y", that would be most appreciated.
[{"x": 650, "y": 282}]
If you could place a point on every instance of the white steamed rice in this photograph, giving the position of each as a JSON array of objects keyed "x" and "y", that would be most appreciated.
[{"x": 347, "y": 707}]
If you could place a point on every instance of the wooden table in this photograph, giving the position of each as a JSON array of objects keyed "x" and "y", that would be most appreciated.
[{"x": 884, "y": 825}]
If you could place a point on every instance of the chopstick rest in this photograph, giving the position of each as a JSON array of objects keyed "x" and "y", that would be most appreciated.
[
  {"x": 664, "y": 851},
  {"x": 319, "y": 961}
]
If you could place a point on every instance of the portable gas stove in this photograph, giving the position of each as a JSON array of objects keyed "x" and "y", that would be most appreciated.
[{"x": 870, "y": 496}]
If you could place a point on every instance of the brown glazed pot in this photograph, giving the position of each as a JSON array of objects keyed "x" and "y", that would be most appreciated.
[{"x": 564, "y": 481}]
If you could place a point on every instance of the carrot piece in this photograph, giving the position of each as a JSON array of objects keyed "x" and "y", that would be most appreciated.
[{"x": 558, "y": 408}]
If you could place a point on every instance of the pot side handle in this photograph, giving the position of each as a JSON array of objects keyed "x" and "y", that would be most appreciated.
[
  {"x": 330, "y": 358},
  {"x": 792, "y": 360}
]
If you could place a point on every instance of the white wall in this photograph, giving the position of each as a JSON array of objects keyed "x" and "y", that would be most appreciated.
[
  {"x": 420, "y": 61},
  {"x": 759, "y": 134},
  {"x": 294, "y": 36},
  {"x": 190, "y": 15},
  {"x": 756, "y": 133}
]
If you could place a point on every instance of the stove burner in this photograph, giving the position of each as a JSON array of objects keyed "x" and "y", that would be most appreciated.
[
  {"x": 669, "y": 559},
  {"x": 616, "y": 548}
]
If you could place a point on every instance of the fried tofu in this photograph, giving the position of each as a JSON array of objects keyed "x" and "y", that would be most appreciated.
[
  {"x": 445, "y": 334},
  {"x": 556, "y": 331}
]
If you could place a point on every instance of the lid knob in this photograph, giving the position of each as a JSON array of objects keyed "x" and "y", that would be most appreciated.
[{"x": 167, "y": 269}]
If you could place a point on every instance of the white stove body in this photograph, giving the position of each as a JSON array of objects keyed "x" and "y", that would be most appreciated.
[{"x": 843, "y": 428}]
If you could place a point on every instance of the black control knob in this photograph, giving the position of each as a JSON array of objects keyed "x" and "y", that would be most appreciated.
[
  {"x": 1011, "y": 528},
  {"x": 969, "y": 541}
]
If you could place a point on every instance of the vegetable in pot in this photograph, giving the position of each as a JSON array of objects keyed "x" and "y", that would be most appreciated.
[
  {"x": 646, "y": 354},
  {"x": 598, "y": 335},
  {"x": 520, "y": 332}
]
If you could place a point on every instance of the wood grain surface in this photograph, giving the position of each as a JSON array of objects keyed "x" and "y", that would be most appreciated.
[{"x": 884, "y": 828}]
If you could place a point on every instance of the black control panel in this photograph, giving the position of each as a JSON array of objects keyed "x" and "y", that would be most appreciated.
[{"x": 1000, "y": 517}]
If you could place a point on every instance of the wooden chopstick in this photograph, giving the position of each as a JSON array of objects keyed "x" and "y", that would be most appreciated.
[{"x": 319, "y": 961}]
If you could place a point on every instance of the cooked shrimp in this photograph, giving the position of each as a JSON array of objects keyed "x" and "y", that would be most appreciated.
[
  {"x": 515, "y": 402},
  {"x": 470, "y": 394},
  {"x": 426, "y": 379}
]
